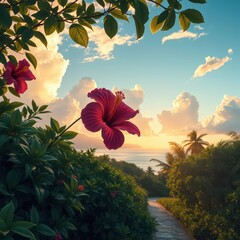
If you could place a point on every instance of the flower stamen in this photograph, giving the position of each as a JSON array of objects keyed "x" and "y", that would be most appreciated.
[{"x": 117, "y": 101}]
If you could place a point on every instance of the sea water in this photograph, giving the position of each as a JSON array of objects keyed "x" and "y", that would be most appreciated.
[{"x": 140, "y": 157}]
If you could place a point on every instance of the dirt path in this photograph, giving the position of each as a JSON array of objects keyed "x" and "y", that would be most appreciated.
[{"x": 168, "y": 228}]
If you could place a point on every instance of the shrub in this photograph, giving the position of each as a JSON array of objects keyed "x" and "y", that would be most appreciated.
[
  {"x": 48, "y": 190},
  {"x": 207, "y": 186}
]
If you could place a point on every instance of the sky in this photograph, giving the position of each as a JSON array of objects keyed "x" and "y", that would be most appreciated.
[{"x": 179, "y": 81}]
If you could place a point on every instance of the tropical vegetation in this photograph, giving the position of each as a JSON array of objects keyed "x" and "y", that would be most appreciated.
[{"x": 206, "y": 191}]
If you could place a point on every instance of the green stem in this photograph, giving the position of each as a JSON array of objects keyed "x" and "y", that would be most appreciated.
[{"x": 63, "y": 132}]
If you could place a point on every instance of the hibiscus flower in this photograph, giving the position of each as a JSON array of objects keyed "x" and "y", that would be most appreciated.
[
  {"x": 110, "y": 115},
  {"x": 18, "y": 75}
]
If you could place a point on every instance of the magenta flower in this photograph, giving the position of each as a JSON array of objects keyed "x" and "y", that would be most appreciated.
[
  {"x": 58, "y": 236},
  {"x": 18, "y": 75},
  {"x": 114, "y": 194},
  {"x": 110, "y": 115}
]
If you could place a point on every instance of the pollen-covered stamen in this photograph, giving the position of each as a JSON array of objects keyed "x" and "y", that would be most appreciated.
[{"x": 118, "y": 99}]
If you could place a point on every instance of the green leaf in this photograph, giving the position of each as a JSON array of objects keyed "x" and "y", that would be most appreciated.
[
  {"x": 5, "y": 18},
  {"x": 170, "y": 20},
  {"x": 74, "y": 184},
  {"x": 71, "y": 7},
  {"x": 2, "y": 57},
  {"x": 31, "y": 58},
  {"x": 60, "y": 25},
  {"x": 139, "y": 27},
  {"x": 141, "y": 11},
  {"x": 155, "y": 25},
  {"x": 27, "y": 35},
  {"x": 62, "y": 2},
  {"x": 175, "y": 4},
  {"x": 34, "y": 215},
  {"x": 3, "y": 190},
  {"x": 7, "y": 213},
  {"x": 13, "y": 59},
  {"x": 50, "y": 25},
  {"x": 24, "y": 232},
  {"x": 34, "y": 106},
  {"x": 110, "y": 26},
  {"x": 41, "y": 15},
  {"x": 90, "y": 10},
  {"x": 184, "y": 21},
  {"x": 79, "y": 34},
  {"x": 85, "y": 23},
  {"x": 44, "y": 5},
  {"x": 124, "y": 6},
  {"x": 3, "y": 228},
  {"x": 46, "y": 230},
  {"x": 193, "y": 15},
  {"x": 198, "y": 1},
  {"x": 54, "y": 125},
  {"x": 41, "y": 37},
  {"x": 13, "y": 178},
  {"x": 25, "y": 224},
  {"x": 16, "y": 118},
  {"x": 118, "y": 14},
  {"x": 42, "y": 108},
  {"x": 101, "y": 2},
  {"x": 69, "y": 135}
]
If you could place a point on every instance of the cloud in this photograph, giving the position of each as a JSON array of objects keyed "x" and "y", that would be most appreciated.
[
  {"x": 198, "y": 27},
  {"x": 102, "y": 47},
  {"x": 211, "y": 64},
  {"x": 230, "y": 51},
  {"x": 180, "y": 34},
  {"x": 182, "y": 117},
  {"x": 226, "y": 117}
]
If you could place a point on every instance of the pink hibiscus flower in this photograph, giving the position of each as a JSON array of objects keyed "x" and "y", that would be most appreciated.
[
  {"x": 110, "y": 115},
  {"x": 18, "y": 75}
]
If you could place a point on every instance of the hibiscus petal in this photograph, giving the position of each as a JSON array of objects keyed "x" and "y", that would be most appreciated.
[
  {"x": 130, "y": 127},
  {"x": 104, "y": 97},
  {"x": 113, "y": 138},
  {"x": 8, "y": 76},
  {"x": 123, "y": 113},
  {"x": 23, "y": 63},
  {"x": 20, "y": 86},
  {"x": 92, "y": 117}
]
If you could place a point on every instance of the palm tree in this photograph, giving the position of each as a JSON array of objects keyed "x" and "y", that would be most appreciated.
[
  {"x": 194, "y": 143},
  {"x": 150, "y": 170},
  {"x": 176, "y": 153}
]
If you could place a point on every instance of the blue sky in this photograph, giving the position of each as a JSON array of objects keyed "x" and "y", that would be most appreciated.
[{"x": 180, "y": 82}]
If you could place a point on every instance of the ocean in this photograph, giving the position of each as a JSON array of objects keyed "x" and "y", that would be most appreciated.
[{"x": 139, "y": 157}]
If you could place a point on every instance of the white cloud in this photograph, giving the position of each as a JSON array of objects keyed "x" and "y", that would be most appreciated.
[
  {"x": 198, "y": 27},
  {"x": 181, "y": 34},
  {"x": 226, "y": 117},
  {"x": 230, "y": 51},
  {"x": 102, "y": 47},
  {"x": 211, "y": 64},
  {"x": 182, "y": 117}
]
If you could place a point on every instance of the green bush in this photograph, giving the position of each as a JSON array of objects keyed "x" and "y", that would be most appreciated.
[
  {"x": 207, "y": 186},
  {"x": 48, "y": 190},
  {"x": 155, "y": 185}
]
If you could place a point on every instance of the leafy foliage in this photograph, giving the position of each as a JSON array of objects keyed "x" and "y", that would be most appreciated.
[
  {"x": 207, "y": 186},
  {"x": 155, "y": 185},
  {"x": 48, "y": 189},
  {"x": 20, "y": 21}
]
